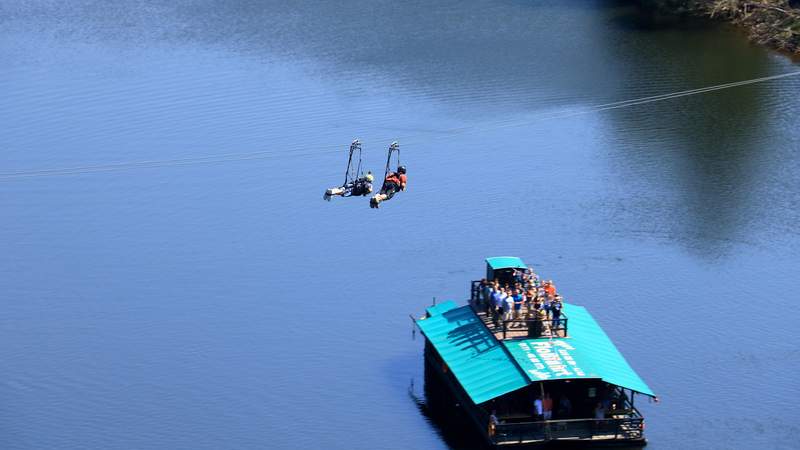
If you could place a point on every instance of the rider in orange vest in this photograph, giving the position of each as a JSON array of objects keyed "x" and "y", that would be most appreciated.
[{"x": 394, "y": 182}]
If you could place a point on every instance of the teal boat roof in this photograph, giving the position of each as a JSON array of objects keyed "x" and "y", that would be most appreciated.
[
  {"x": 443, "y": 307},
  {"x": 505, "y": 262},
  {"x": 480, "y": 363},
  {"x": 487, "y": 368},
  {"x": 586, "y": 353}
]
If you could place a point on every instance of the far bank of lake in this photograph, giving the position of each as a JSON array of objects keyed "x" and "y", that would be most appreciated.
[{"x": 773, "y": 23}]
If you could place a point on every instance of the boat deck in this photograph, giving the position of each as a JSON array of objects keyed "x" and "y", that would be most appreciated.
[
  {"x": 518, "y": 329},
  {"x": 618, "y": 429}
]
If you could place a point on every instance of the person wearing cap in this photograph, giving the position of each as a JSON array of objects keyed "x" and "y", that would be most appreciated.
[{"x": 394, "y": 183}]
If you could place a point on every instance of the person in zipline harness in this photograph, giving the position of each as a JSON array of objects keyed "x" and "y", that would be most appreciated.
[
  {"x": 361, "y": 186},
  {"x": 394, "y": 183}
]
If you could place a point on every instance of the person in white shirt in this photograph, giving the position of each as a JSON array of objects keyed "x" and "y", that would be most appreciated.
[
  {"x": 508, "y": 308},
  {"x": 502, "y": 298}
]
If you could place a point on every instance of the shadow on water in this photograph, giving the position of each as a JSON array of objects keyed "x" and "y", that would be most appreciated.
[
  {"x": 637, "y": 16},
  {"x": 702, "y": 150},
  {"x": 453, "y": 433}
]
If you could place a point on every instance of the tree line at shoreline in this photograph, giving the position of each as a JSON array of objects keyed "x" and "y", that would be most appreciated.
[{"x": 774, "y": 23}]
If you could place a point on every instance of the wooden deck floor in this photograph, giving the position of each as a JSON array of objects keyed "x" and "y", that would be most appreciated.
[{"x": 516, "y": 330}]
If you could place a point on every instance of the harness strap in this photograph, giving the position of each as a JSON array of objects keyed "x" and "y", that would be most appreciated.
[
  {"x": 393, "y": 148},
  {"x": 350, "y": 175}
]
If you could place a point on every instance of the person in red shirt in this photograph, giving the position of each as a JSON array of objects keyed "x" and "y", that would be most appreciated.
[
  {"x": 394, "y": 183},
  {"x": 550, "y": 289},
  {"x": 547, "y": 407}
]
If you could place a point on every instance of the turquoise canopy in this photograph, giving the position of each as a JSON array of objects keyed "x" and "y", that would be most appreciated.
[
  {"x": 505, "y": 262},
  {"x": 586, "y": 353},
  {"x": 487, "y": 368},
  {"x": 480, "y": 363}
]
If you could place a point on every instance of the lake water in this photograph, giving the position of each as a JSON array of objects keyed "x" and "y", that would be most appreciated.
[{"x": 225, "y": 305}]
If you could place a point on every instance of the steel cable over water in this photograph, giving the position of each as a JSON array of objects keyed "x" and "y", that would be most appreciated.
[{"x": 265, "y": 154}]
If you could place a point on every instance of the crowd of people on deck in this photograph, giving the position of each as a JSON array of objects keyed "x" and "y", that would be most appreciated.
[{"x": 523, "y": 297}]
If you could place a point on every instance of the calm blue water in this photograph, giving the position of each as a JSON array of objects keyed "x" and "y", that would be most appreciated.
[{"x": 225, "y": 305}]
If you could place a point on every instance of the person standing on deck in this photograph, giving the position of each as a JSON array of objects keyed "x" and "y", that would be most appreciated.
[
  {"x": 508, "y": 308},
  {"x": 600, "y": 411},
  {"x": 486, "y": 293},
  {"x": 547, "y": 407},
  {"x": 518, "y": 276},
  {"x": 478, "y": 294},
  {"x": 545, "y": 324},
  {"x": 530, "y": 301},
  {"x": 534, "y": 279},
  {"x": 538, "y": 408},
  {"x": 493, "y": 423},
  {"x": 518, "y": 300},
  {"x": 550, "y": 289},
  {"x": 501, "y": 303},
  {"x": 564, "y": 407},
  {"x": 547, "y": 306},
  {"x": 556, "y": 307},
  {"x": 599, "y": 415},
  {"x": 497, "y": 304}
]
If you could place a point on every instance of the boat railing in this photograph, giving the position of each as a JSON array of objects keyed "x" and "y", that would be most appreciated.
[
  {"x": 525, "y": 327},
  {"x": 628, "y": 427},
  {"x": 532, "y": 328},
  {"x": 474, "y": 291}
]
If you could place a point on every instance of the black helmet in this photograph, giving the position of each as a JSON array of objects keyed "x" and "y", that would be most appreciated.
[{"x": 401, "y": 169}]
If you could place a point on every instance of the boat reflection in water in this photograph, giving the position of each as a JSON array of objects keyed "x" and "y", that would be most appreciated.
[{"x": 528, "y": 377}]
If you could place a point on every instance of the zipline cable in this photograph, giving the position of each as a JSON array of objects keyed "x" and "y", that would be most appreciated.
[
  {"x": 616, "y": 105},
  {"x": 223, "y": 158}
]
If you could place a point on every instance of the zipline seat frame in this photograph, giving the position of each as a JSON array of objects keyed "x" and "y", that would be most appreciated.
[{"x": 352, "y": 173}]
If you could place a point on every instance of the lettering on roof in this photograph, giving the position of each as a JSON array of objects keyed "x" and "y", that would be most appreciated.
[{"x": 550, "y": 359}]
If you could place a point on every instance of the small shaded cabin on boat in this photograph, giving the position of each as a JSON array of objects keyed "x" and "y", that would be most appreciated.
[{"x": 497, "y": 373}]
